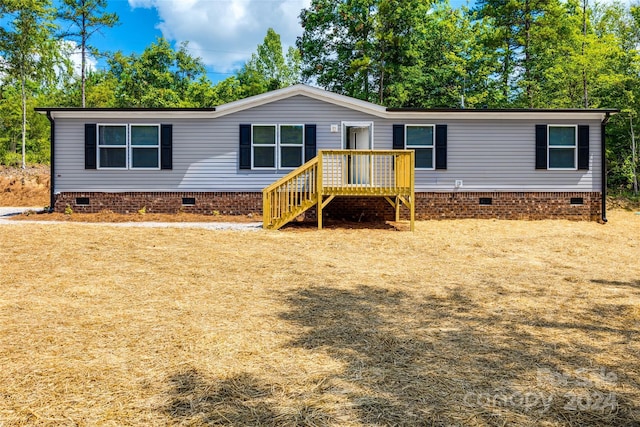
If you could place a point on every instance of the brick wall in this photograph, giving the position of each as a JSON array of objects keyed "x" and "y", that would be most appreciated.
[
  {"x": 160, "y": 202},
  {"x": 500, "y": 205},
  {"x": 509, "y": 205},
  {"x": 503, "y": 205}
]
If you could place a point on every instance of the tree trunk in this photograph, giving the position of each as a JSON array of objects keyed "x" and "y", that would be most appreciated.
[
  {"x": 585, "y": 89},
  {"x": 382, "y": 69},
  {"x": 634, "y": 160},
  {"x": 527, "y": 53},
  {"x": 23, "y": 84},
  {"x": 83, "y": 54},
  {"x": 505, "y": 74}
]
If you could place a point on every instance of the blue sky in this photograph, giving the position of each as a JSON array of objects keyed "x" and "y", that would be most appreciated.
[{"x": 224, "y": 33}]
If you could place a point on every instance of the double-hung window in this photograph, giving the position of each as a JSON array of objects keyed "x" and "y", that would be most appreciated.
[
  {"x": 562, "y": 147},
  {"x": 277, "y": 146},
  {"x": 291, "y": 146},
  {"x": 145, "y": 146},
  {"x": 128, "y": 146},
  {"x": 421, "y": 139},
  {"x": 112, "y": 146},
  {"x": 263, "y": 140}
]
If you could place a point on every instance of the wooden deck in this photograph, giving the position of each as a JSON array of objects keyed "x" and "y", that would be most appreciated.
[{"x": 388, "y": 174}]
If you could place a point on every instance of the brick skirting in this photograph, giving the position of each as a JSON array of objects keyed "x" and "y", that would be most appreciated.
[
  {"x": 161, "y": 202},
  {"x": 499, "y": 205}
]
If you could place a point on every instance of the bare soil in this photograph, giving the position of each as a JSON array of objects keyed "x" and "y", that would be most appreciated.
[
  {"x": 24, "y": 187},
  {"x": 108, "y": 216}
]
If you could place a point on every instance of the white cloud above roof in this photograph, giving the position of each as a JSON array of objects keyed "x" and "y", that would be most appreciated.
[
  {"x": 224, "y": 33},
  {"x": 74, "y": 53}
]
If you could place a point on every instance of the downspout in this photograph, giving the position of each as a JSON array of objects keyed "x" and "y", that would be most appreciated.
[
  {"x": 52, "y": 201},
  {"x": 603, "y": 155}
]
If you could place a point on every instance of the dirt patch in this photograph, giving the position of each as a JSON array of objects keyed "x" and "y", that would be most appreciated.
[
  {"x": 24, "y": 187},
  {"x": 462, "y": 323},
  {"x": 623, "y": 203},
  {"x": 108, "y": 216}
]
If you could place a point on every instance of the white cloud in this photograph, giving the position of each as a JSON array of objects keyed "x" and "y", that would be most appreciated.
[
  {"x": 73, "y": 52},
  {"x": 224, "y": 33}
]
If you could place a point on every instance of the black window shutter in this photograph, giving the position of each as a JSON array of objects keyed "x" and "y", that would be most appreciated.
[
  {"x": 90, "y": 146},
  {"x": 398, "y": 137},
  {"x": 166, "y": 146},
  {"x": 441, "y": 146},
  {"x": 583, "y": 147},
  {"x": 245, "y": 147},
  {"x": 310, "y": 146},
  {"x": 541, "y": 146}
]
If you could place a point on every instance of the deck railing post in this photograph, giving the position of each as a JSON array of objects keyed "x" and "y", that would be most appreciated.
[
  {"x": 319, "y": 189},
  {"x": 412, "y": 183},
  {"x": 266, "y": 209}
]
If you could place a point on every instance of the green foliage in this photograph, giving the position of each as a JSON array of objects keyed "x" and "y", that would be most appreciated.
[
  {"x": 29, "y": 53},
  {"x": 159, "y": 77},
  {"x": 268, "y": 69},
  {"x": 337, "y": 48},
  {"x": 68, "y": 210},
  {"x": 37, "y": 128},
  {"x": 84, "y": 19}
]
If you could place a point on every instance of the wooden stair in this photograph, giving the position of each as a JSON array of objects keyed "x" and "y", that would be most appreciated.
[{"x": 290, "y": 196}]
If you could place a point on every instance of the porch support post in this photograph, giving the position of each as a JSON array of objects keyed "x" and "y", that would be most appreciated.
[
  {"x": 319, "y": 190},
  {"x": 412, "y": 197},
  {"x": 397, "y": 208}
]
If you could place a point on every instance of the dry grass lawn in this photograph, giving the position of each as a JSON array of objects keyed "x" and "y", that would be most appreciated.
[{"x": 472, "y": 323}]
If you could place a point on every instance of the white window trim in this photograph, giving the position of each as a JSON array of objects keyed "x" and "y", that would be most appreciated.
[
  {"x": 128, "y": 146},
  {"x": 125, "y": 146},
  {"x": 280, "y": 144},
  {"x": 131, "y": 146},
  {"x": 275, "y": 147},
  {"x": 574, "y": 146},
  {"x": 344, "y": 125},
  {"x": 432, "y": 146}
]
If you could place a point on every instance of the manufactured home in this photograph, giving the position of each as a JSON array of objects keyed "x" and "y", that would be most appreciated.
[{"x": 305, "y": 149}]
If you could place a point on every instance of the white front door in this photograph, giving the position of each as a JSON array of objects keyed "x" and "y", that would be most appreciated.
[{"x": 357, "y": 136}]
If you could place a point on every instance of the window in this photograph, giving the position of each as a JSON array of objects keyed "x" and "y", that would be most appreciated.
[
  {"x": 112, "y": 146},
  {"x": 291, "y": 145},
  {"x": 129, "y": 147},
  {"x": 421, "y": 139},
  {"x": 145, "y": 146},
  {"x": 277, "y": 146},
  {"x": 562, "y": 147}
]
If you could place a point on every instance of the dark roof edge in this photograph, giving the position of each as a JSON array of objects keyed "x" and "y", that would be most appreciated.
[
  {"x": 503, "y": 110},
  {"x": 73, "y": 109}
]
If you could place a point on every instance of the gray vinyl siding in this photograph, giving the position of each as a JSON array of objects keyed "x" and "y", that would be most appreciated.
[
  {"x": 500, "y": 156},
  {"x": 488, "y": 155}
]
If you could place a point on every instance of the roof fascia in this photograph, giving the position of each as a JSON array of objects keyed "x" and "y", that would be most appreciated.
[
  {"x": 300, "y": 89},
  {"x": 145, "y": 114},
  {"x": 500, "y": 115}
]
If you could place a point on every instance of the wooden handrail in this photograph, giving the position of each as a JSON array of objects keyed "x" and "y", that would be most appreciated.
[
  {"x": 311, "y": 163},
  {"x": 290, "y": 196}
]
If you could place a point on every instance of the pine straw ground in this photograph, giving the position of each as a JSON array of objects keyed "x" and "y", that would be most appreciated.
[{"x": 460, "y": 323}]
